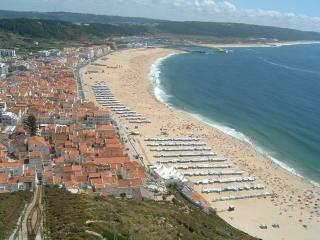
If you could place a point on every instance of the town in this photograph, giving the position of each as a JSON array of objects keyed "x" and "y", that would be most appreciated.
[
  {"x": 51, "y": 135},
  {"x": 174, "y": 120},
  {"x": 75, "y": 144}
]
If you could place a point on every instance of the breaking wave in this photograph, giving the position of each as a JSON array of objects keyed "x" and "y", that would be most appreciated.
[{"x": 164, "y": 98}]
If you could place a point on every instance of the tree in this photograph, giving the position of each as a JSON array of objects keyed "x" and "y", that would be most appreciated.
[{"x": 30, "y": 125}]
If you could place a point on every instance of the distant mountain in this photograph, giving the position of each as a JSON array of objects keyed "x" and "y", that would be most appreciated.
[{"x": 72, "y": 25}]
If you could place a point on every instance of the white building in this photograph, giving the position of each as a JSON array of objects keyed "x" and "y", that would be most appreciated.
[
  {"x": 3, "y": 70},
  {"x": 3, "y": 107},
  {"x": 99, "y": 119},
  {"x": 44, "y": 53},
  {"x": 98, "y": 52},
  {"x": 91, "y": 53},
  {"x": 7, "y": 118},
  {"x": 8, "y": 52}
]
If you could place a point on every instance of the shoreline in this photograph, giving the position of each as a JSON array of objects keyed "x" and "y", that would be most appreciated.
[
  {"x": 256, "y": 45},
  {"x": 135, "y": 65},
  {"x": 158, "y": 91},
  {"x": 154, "y": 78},
  {"x": 246, "y": 139}
]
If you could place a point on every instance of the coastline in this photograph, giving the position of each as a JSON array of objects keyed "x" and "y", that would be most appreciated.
[
  {"x": 130, "y": 83},
  {"x": 257, "y": 45},
  {"x": 244, "y": 138},
  {"x": 154, "y": 78},
  {"x": 161, "y": 96}
]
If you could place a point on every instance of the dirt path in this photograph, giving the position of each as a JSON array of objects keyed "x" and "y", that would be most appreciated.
[{"x": 32, "y": 220}]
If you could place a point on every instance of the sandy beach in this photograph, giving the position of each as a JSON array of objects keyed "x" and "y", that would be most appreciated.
[{"x": 295, "y": 204}]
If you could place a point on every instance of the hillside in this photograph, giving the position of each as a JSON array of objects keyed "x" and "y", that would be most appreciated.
[
  {"x": 234, "y": 31},
  {"x": 76, "y": 17},
  {"x": 11, "y": 206},
  {"x": 102, "y": 25},
  {"x": 70, "y": 216},
  {"x": 66, "y": 30},
  {"x": 21, "y": 33}
]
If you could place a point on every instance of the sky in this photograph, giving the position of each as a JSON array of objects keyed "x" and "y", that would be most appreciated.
[{"x": 297, "y": 14}]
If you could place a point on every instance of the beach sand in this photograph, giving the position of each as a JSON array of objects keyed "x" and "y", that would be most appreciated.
[{"x": 294, "y": 205}]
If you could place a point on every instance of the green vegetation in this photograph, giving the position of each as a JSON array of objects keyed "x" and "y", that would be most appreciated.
[
  {"x": 103, "y": 26},
  {"x": 67, "y": 216},
  {"x": 66, "y": 30},
  {"x": 77, "y": 17},
  {"x": 234, "y": 31},
  {"x": 11, "y": 206},
  {"x": 23, "y": 33},
  {"x": 54, "y": 30},
  {"x": 30, "y": 125},
  {"x": 60, "y": 30}
]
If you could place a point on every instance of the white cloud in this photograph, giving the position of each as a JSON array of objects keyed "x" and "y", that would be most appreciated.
[
  {"x": 215, "y": 10},
  {"x": 228, "y": 7}
]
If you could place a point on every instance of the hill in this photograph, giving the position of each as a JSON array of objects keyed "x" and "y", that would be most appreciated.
[
  {"x": 77, "y": 17},
  {"x": 11, "y": 206},
  {"x": 140, "y": 26},
  {"x": 70, "y": 216},
  {"x": 22, "y": 33},
  {"x": 35, "y": 28},
  {"x": 234, "y": 31}
]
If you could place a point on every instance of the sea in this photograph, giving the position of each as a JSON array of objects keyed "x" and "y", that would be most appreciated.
[{"x": 266, "y": 96}]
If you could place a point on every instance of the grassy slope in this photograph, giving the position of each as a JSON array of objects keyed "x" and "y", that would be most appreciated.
[
  {"x": 11, "y": 205},
  {"x": 67, "y": 214}
]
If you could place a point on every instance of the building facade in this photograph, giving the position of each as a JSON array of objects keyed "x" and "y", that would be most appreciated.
[
  {"x": 4, "y": 70},
  {"x": 8, "y": 53}
]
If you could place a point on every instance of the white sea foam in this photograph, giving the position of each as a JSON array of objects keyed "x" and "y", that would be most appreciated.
[
  {"x": 283, "y": 44},
  {"x": 289, "y": 67},
  {"x": 295, "y": 43},
  {"x": 241, "y": 136},
  {"x": 163, "y": 97},
  {"x": 154, "y": 77}
]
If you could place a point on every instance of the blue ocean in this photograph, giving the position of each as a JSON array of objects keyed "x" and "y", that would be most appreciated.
[{"x": 269, "y": 97}]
